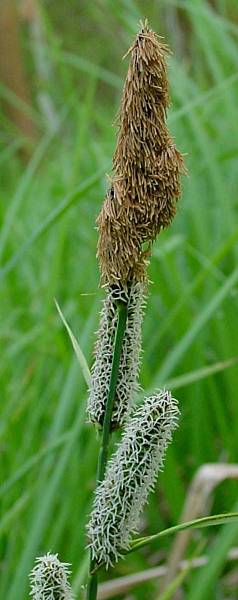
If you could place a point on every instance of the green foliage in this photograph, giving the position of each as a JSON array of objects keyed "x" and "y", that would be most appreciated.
[{"x": 47, "y": 248}]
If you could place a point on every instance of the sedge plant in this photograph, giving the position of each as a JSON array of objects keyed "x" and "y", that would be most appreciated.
[{"x": 140, "y": 202}]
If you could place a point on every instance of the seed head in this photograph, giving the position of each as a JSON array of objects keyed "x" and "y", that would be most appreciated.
[
  {"x": 49, "y": 579},
  {"x": 127, "y": 382},
  {"x": 146, "y": 166},
  {"x": 130, "y": 476}
]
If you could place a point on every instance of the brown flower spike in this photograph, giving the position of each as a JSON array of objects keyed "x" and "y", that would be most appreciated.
[{"x": 146, "y": 166}]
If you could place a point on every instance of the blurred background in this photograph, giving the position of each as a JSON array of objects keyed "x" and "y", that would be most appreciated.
[{"x": 61, "y": 81}]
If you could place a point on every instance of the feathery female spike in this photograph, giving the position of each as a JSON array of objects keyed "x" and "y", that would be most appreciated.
[
  {"x": 146, "y": 166},
  {"x": 49, "y": 579},
  {"x": 127, "y": 384},
  {"x": 130, "y": 476}
]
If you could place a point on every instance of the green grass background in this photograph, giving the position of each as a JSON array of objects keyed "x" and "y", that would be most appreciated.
[{"x": 47, "y": 249}]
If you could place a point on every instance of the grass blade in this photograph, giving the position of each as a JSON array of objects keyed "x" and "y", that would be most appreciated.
[
  {"x": 195, "y": 524},
  {"x": 79, "y": 353}
]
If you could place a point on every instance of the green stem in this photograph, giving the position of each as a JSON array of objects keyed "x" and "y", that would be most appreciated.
[{"x": 103, "y": 454}]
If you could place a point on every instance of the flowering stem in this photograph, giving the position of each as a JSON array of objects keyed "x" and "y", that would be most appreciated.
[{"x": 103, "y": 453}]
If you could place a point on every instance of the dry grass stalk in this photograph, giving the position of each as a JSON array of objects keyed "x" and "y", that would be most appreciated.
[
  {"x": 146, "y": 166},
  {"x": 121, "y": 585},
  {"x": 197, "y": 502}
]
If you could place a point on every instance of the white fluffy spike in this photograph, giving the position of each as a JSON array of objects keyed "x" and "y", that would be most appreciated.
[
  {"x": 49, "y": 579},
  {"x": 127, "y": 384},
  {"x": 130, "y": 476}
]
